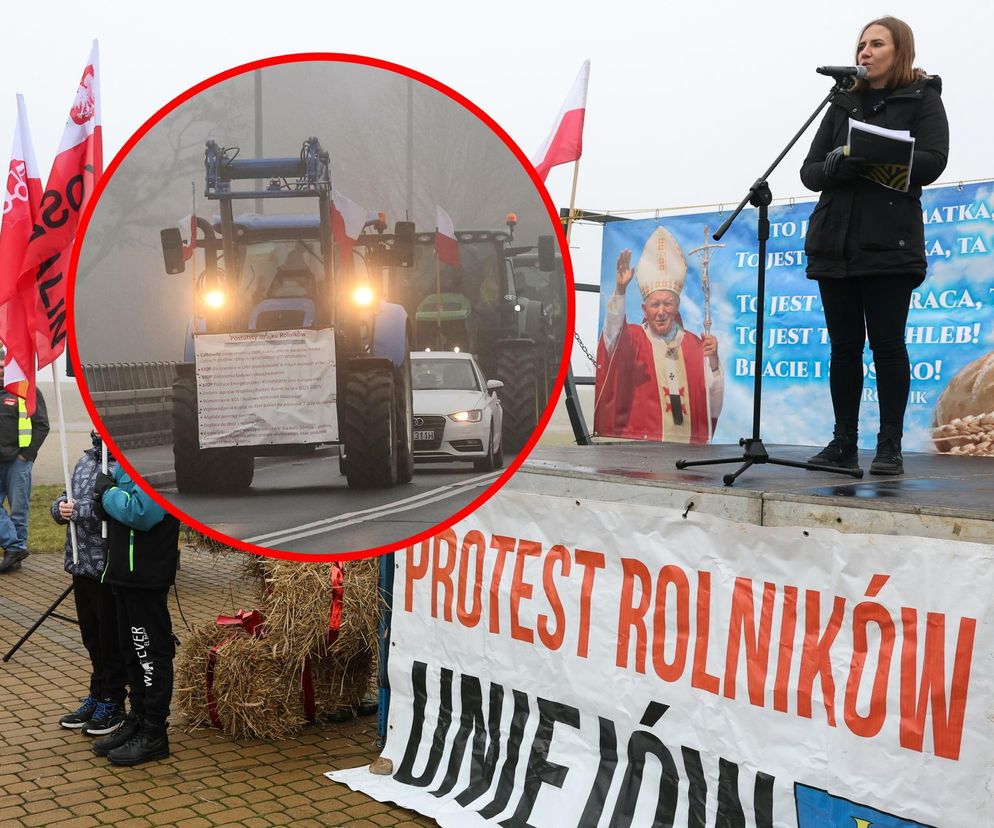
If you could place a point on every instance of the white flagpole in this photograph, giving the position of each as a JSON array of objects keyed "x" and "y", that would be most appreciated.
[
  {"x": 572, "y": 201},
  {"x": 65, "y": 457},
  {"x": 438, "y": 295},
  {"x": 103, "y": 468}
]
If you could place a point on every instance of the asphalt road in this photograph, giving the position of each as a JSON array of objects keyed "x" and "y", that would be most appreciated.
[{"x": 305, "y": 505}]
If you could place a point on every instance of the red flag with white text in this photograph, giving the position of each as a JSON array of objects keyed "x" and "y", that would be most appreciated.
[
  {"x": 446, "y": 245},
  {"x": 75, "y": 171},
  {"x": 22, "y": 199},
  {"x": 565, "y": 141},
  {"x": 348, "y": 218}
]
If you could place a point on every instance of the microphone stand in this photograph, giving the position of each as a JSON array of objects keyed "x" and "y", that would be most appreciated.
[{"x": 759, "y": 196}]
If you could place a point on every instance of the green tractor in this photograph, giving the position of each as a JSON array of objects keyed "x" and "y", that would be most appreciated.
[
  {"x": 480, "y": 307},
  {"x": 270, "y": 278}
]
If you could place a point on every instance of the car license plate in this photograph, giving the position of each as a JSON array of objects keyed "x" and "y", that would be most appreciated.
[{"x": 424, "y": 435}]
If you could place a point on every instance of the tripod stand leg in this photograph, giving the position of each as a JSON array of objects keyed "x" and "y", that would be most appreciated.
[
  {"x": 729, "y": 479},
  {"x": 686, "y": 464},
  {"x": 38, "y": 623}
]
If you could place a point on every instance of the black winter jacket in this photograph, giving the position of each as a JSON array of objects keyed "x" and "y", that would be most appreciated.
[
  {"x": 142, "y": 538},
  {"x": 860, "y": 228}
]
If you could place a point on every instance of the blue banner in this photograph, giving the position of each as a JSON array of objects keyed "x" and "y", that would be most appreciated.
[
  {"x": 820, "y": 809},
  {"x": 950, "y": 331}
]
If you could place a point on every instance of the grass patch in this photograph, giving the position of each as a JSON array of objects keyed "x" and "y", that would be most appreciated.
[{"x": 44, "y": 534}]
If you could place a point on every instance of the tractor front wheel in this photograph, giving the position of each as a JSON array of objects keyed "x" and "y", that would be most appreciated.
[
  {"x": 369, "y": 430},
  {"x": 519, "y": 398}
]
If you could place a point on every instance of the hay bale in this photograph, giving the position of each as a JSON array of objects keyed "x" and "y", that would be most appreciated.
[
  {"x": 257, "y": 682},
  {"x": 361, "y": 605},
  {"x": 345, "y": 671},
  {"x": 296, "y": 604},
  {"x": 341, "y": 684},
  {"x": 255, "y": 694},
  {"x": 298, "y": 607},
  {"x": 190, "y": 671},
  {"x": 254, "y": 697}
]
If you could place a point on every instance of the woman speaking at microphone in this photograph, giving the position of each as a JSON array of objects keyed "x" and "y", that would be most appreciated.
[{"x": 866, "y": 243}]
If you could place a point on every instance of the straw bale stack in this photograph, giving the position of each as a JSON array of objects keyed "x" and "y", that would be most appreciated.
[{"x": 319, "y": 617}]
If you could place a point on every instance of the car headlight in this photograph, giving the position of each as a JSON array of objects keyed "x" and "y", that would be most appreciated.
[
  {"x": 214, "y": 298},
  {"x": 473, "y": 416}
]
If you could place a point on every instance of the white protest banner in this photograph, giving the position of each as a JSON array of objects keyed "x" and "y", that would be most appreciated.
[
  {"x": 266, "y": 388},
  {"x": 557, "y": 662}
]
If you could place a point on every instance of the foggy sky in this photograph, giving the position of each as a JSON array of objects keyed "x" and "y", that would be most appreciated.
[
  {"x": 359, "y": 113},
  {"x": 688, "y": 102}
]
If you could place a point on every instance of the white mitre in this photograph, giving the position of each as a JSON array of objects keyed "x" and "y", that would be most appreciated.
[{"x": 661, "y": 265}]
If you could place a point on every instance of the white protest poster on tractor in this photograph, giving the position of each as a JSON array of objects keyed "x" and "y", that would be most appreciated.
[
  {"x": 556, "y": 662},
  {"x": 266, "y": 388}
]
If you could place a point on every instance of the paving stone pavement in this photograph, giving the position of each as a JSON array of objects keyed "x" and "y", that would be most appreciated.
[{"x": 49, "y": 776}]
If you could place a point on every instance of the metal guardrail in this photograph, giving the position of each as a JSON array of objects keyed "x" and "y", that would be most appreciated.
[{"x": 134, "y": 400}]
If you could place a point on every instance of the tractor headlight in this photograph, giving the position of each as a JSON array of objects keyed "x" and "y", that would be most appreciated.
[
  {"x": 214, "y": 298},
  {"x": 363, "y": 296},
  {"x": 473, "y": 416}
]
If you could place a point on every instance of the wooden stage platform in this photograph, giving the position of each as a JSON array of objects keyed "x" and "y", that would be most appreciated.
[{"x": 941, "y": 496}]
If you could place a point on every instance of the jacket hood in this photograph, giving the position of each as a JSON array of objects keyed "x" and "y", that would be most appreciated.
[{"x": 923, "y": 82}]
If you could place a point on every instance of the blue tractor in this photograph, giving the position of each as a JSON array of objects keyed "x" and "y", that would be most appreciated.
[{"x": 266, "y": 273}]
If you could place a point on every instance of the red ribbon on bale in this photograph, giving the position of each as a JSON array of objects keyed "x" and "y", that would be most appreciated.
[
  {"x": 250, "y": 621},
  {"x": 337, "y": 601},
  {"x": 334, "y": 627},
  {"x": 253, "y": 623}
]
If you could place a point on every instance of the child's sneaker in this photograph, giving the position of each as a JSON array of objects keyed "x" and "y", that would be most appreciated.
[
  {"x": 81, "y": 715},
  {"x": 106, "y": 718}
]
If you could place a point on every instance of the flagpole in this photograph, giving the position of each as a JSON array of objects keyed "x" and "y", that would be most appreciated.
[
  {"x": 438, "y": 295},
  {"x": 103, "y": 468},
  {"x": 572, "y": 201},
  {"x": 65, "y": 458}
]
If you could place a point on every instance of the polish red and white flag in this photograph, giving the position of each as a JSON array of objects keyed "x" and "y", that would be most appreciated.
[
  {"x": 77, "y": 167},
  {"x": 446, "y": 245},
  {"x": 22, "y": 200},
  {"x": 348, "y": 218},
  {"x": 565, "y": 141},
  {"x": 188, "y": 229}
]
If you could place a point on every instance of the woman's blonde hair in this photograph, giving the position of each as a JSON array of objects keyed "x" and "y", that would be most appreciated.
[{"x": 903, "y": 72}]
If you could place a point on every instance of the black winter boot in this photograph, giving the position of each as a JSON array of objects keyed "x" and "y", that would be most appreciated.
[
  {"x": 148, "y": 744},
  {"x": 129, "y": 727},
  {"x": 888, "y": 459},
  {"x": 842, "y": 452}
]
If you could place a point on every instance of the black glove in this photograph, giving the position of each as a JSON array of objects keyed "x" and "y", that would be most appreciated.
[
  {"x": 842, "y": 167},
  {"x": 102, "y": 484},
  {"x": 99, "y": 512}
]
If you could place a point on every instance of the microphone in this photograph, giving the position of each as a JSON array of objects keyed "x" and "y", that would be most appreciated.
[{"x": 838, "y": 72}]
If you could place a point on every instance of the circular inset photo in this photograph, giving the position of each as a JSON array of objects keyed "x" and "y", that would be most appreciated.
[{"x": 320, "y": 306}]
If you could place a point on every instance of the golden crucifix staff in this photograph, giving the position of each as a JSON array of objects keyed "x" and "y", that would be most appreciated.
[{"x": 705, "y": 251}]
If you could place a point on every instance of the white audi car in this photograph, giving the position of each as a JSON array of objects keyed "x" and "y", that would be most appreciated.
[{"x": 457, "y": 415}]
